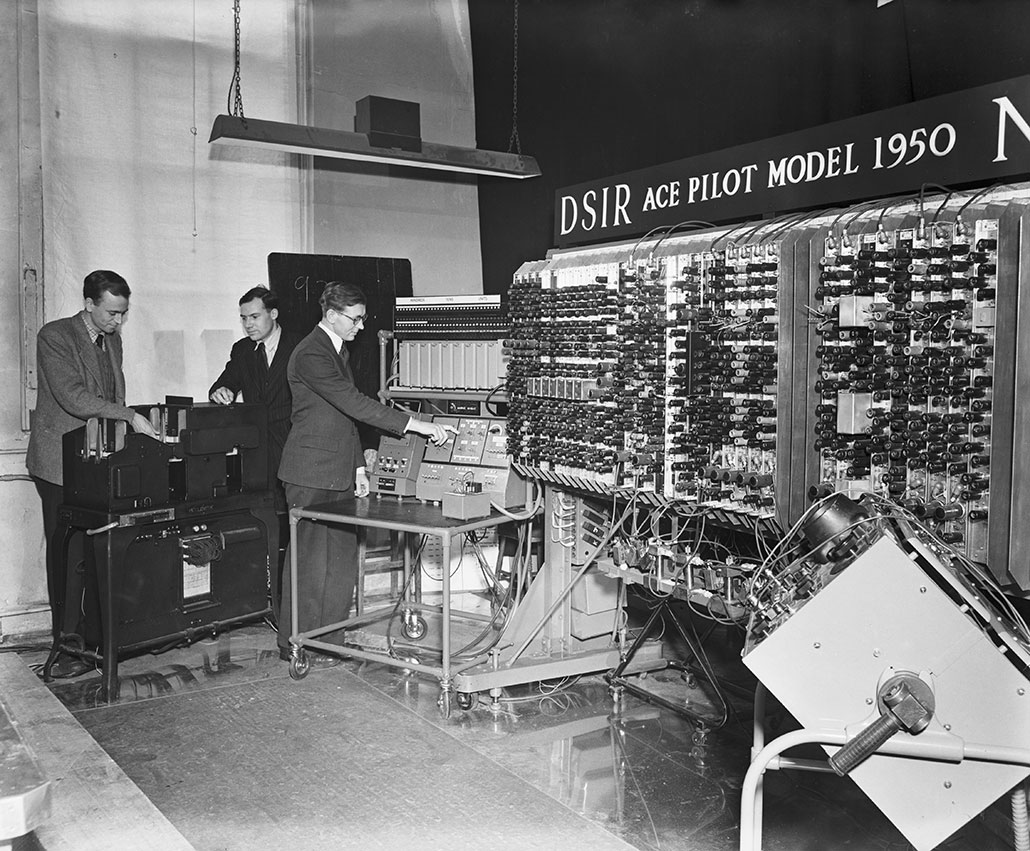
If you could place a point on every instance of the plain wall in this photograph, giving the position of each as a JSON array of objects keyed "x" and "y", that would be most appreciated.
[
  {"x": 410, "y": 50},
  {"x": 190, "y": 225}
]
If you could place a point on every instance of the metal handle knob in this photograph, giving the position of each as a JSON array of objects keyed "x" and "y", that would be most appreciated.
[{"x": 906, "y": 703}]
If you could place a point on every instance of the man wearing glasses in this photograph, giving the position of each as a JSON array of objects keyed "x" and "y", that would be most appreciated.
[{"x": 323, "y": 462}]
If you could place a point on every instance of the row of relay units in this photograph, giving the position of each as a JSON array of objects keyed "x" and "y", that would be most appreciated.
[{"x": 474, "y": 461}]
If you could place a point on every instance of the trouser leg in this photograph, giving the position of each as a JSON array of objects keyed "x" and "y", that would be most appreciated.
[
  {"x": 63, "y": 573},
  {"x": 327, "y": 570}
]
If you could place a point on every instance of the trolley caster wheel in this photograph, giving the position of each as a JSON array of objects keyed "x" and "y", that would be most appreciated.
[
  {"x": 465, "y": 699},
  {"x": 414, "y": 628},
  {"x": 299, "y": 666},
  {"x": 443, "y": 703}
]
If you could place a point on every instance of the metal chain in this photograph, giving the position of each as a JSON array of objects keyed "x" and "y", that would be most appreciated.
[
  {"x": 514, "y": 144},
  {"x": 234, "y": 104}
]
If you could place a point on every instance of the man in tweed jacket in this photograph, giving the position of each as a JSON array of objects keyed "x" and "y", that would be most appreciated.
[{"x": 79, "y": 362}]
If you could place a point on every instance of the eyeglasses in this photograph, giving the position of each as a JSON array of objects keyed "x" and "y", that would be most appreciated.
[{"x": 356, "y": 319}]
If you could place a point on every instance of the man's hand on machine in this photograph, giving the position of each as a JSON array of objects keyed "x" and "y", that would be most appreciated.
[
  {"x": 222, "y": 396},
  {"x": 141, "y": 425},
  {"x": 435, "y": 433}
]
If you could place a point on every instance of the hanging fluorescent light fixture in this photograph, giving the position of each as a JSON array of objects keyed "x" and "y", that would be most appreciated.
[
  {"x": 386, "y": 131},
  {"x": 340, "y": 144}
]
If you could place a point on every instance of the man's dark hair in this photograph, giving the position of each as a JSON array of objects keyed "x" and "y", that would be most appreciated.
[
  {"x": 337, "y": 295},
  {"x": 268, "y": 298},
  {"x": 101, "y": 281}
]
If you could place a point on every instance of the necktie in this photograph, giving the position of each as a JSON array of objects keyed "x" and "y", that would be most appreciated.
[
  {"x": 262, "y": 363},
  {"x": 100, "y": 342}
]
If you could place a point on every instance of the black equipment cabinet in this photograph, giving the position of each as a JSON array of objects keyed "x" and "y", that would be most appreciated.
[{"x": 162, "y": 541}]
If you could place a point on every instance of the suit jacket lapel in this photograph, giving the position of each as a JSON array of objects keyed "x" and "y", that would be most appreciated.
[
  {"x": 345, "y": 360},
  {"x": 342, "y": 356},
  {"x": 252, "y": 369},
  {"x": 114, "y": 352},
  {"x": 324, "y": 340},
  {"x": 87, "y": 349},
  {"x": 282, "y": 357}
]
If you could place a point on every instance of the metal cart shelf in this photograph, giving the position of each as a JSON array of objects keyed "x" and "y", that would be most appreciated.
[
  {"x": 408, "y": 517},
  {"x": 534, "y": 644}
]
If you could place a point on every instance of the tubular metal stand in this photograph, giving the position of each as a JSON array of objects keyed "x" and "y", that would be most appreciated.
[{"x": 767, "y": 757}]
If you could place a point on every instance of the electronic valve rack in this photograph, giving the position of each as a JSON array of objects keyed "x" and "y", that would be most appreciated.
[
  {"x": 176, "y": 534},
  {"x": 748, "y": 369}
]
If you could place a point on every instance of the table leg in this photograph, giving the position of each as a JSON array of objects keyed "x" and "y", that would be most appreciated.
[
  {"x": 416, "y": 584},
  {"x": 108, "y": 556},
  {"x": 445, "y": 678},
  {"x": 108, "y": 609},
  {"x": 408, "y": 590},
  {"x": 294, "y": 570}
]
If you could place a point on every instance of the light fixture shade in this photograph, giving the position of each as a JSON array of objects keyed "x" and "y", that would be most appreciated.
[{"x": 323, "y": 142}]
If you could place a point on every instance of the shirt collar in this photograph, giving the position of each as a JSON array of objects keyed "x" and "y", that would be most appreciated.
[
  {"x": 272, "y": 340},
  {"x": 90, "y": 327},
  {"x": 335, "y": 338}
]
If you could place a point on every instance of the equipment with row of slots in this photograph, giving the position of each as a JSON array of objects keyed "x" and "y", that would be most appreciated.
[
  {"x": 450, "y": 342},
  {"x": 450, "y": 317}
]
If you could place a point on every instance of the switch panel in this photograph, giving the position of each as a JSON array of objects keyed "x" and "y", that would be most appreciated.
[{"x": 397, "y": 464}]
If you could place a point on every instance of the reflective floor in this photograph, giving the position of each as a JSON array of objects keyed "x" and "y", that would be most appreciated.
[{"x": 638, "y": 774}]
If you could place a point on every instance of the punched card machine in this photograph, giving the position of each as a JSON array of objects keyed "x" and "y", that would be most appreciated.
[{"x": 177, "y": 533}]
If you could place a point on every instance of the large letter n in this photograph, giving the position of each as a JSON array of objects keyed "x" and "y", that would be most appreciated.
[{"x": 1005, "y": 108}]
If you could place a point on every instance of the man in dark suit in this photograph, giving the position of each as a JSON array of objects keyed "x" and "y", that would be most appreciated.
[
  {"x": 323, "y": 462},
  {"x": 257, "y": 369},
  {"x": 79, "y": 362}
]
